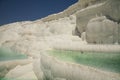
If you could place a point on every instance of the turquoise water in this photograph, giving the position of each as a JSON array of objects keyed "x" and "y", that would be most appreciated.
[
  {"x": 8, "y": 54},
  {"x": 104, "y": 61}
]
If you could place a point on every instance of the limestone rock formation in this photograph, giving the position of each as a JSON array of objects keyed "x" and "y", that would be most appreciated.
[
  {"x": 101, "y": 30},
  {"x": 109, "y": 8}
]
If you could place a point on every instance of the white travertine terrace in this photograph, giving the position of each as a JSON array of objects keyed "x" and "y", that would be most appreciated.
[{"x": 88, "y": 25}]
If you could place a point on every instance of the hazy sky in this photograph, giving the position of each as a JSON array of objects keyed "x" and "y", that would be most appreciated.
[{"x": 21, "y": 10}]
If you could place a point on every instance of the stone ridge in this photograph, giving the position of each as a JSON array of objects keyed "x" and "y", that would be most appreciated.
[{"x": 81, "y": 4}]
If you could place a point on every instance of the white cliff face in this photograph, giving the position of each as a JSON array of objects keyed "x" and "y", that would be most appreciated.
[
  {"x": 57, "y": 24},
  {"x": 29, "y": 37},
  {"x": 110, "y": 9}
]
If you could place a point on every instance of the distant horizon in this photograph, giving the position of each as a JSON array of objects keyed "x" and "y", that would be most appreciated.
[{"x": 22, "y": 10}]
